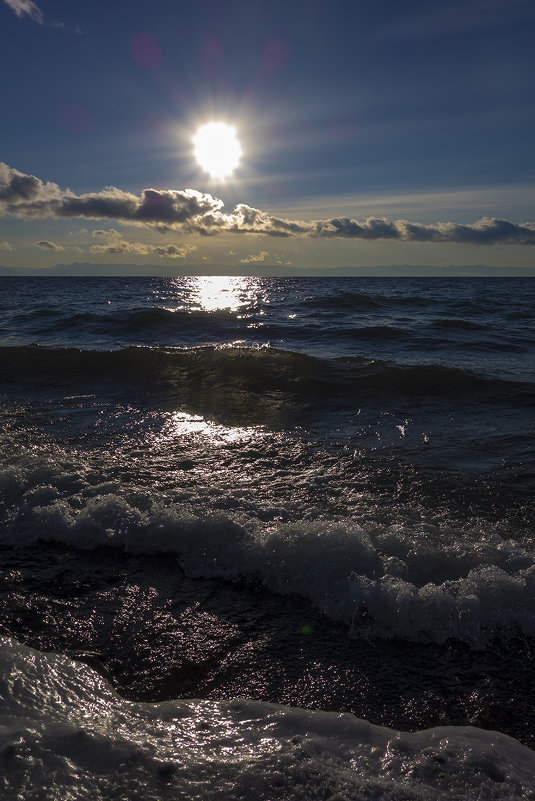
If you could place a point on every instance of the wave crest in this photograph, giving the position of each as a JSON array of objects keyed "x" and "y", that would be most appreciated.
[
  {"x": 254, "y": 370},
  {"x": 421, "y": 582}
]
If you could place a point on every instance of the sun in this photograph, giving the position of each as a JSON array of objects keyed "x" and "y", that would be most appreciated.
[{"x": 217, "y": 149}]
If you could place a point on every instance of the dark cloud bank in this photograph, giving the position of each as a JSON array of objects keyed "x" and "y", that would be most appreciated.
[{"x": 190, "y": 211}]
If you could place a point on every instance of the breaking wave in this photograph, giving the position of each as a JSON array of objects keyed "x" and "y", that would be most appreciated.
[{"x": 413, "y": 579}]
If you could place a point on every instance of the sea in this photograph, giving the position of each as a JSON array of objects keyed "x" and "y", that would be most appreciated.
[{"x": 267, "y": 538}]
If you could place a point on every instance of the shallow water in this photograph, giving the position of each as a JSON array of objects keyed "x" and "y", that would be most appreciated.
[{"x": 315, "y": 492}]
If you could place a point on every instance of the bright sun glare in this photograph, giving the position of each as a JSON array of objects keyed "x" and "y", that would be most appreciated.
[{"x": 217, "y": 149}]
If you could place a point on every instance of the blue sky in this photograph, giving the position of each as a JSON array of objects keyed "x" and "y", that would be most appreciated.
[{"x": 372, "y": 132}]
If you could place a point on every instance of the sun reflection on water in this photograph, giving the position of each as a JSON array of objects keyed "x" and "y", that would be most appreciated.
[
  {"x": 182, "y": 424},
  {"x": 225, "y": 292},
  {"x": 209, "y": 293}
]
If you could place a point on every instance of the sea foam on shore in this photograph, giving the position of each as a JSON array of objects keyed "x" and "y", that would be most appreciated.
[{"x": 66, "y": 734}]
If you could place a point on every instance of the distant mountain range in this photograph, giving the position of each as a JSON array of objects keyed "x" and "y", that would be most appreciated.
[{"x": 399, "y": 270}]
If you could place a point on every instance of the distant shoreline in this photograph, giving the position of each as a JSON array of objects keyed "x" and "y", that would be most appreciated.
[{"x": 156, "y": 271}]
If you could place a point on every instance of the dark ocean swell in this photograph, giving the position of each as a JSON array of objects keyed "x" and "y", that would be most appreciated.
[
  {"x": 256, "y": 371},
  {"x": 358, "y": 301}
]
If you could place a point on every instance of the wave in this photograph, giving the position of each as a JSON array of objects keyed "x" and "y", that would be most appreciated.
[
  {"x": 64, "y": 727},
  {"x": 348, "y": 301},
  {"x": 380, "y": 333},
  {"x": 166, "y": 326},
  {"x": 409, "y": 579},
  {"x": 133, "y": 322},
  {"x": 157, "y": 324},
  {"x": 254, "y": 370},
  {"x": 37, "y": 313},
  {"x": 458, "y": 324}
]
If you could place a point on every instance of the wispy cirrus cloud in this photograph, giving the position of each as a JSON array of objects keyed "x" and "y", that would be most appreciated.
[
  {"x": 191, "y": 211},
  {"x": 26, "y": 8}
]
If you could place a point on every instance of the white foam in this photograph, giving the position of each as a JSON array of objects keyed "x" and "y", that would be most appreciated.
[
  {"x": 65, "y": 734},
  {"x": 419, "y": 580}
]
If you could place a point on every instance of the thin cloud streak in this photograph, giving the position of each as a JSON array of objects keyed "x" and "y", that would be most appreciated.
[
  {"x": 27, "y": 8},
  {"x": 191, "y": 211}
]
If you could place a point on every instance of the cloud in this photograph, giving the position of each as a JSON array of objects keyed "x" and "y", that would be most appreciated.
[
  {"x": 26, "y": 8},
  {"x": 487, "y": 231},
  {"x": 47, "y": 245},
  {"x": 115, "y": 244},
  {"x": 173, "y": 251},
  {"x": 255, "y": 257},
  {"x": 28, "y": 197},
  {"x": 262, "y": 256},
  {"x": 6, "y": 246},
  {"x": 111, "y": 235},
  {"x": 191, "y": 211},
  {"x": 135, "y": 248}
]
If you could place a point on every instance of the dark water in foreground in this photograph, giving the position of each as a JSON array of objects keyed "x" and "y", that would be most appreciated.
[{"x": 313, "y": 492}]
